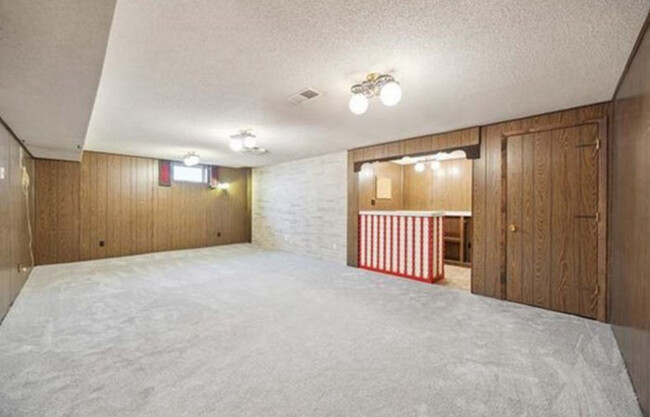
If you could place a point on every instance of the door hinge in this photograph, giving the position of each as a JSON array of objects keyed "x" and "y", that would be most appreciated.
[{"x": 590, "y": 216}]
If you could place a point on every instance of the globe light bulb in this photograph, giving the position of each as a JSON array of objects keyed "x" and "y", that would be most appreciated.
[
  {"x": 358, "y": 104},
  {"x": 419, "y": 167},
  {"x": 435, "y": 165},
  {"x": 191, "y": 160},
  {"x": 250, "y": 142},
  {"x": 391, "y": 93},
  {"x": 236, "y": 144},
  {"x": 366, "y": 170}
]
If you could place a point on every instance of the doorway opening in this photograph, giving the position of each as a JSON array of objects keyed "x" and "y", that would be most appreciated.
[{"x": 401, "y": 200}]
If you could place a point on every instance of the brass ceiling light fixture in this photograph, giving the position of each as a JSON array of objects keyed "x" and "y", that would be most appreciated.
[{"x": 383, "y": 85}]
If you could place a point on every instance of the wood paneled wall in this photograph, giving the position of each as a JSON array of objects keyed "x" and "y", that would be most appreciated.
[
  {"x": 466, "y": 138},
  {"x": 56, "y": 230},
  {"x": 630, "y": 220},
  {"x": 449, "y": 188},
  {"x": 116, "y": 200},
  {"x": 367, "y": 186},
  {"x": 16, "y": 212}
]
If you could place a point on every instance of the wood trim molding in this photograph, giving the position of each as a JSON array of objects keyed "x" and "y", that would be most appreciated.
[
  {"x": 548, "y": 128},
  {"x": 603, "y": 209}
]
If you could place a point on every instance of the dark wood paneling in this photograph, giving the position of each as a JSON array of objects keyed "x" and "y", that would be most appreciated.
[
  {"x": 630, "y": 220},
  {"x": 116, "y": 200},
  {"x": 516, "y": 213},
  {"x": 542, "y": 221},
  {"x": 479, "y": 202},
  {"x": 57, "y": 212},
  {"x": 16, "y": 210}
]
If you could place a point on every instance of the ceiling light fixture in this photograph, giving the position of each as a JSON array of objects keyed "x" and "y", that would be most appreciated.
[
  {"x": 366, "y": 170},
  {"x": 191, "y": 159},
  {"x": 245, "y": 142},
  {"x": 382, "y": 85}
]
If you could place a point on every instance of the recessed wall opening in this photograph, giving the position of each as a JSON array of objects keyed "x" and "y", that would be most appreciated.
[{"x": 415, "y": 218}]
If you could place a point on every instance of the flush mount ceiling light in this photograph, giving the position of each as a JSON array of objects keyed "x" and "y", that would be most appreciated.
[
  {"x": 191, "y": 159},
  {"x": 382, "y": 85},
  {"x": 245, "y": 142}
]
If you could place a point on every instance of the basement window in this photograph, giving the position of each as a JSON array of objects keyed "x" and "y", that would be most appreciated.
[{"x": 197, "y": 174}]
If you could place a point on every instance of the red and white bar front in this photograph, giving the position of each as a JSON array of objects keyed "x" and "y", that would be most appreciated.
[{"x": 404, "y": 243}]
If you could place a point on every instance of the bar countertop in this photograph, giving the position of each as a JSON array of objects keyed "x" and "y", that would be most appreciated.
[{"x": 417, "y": 213}]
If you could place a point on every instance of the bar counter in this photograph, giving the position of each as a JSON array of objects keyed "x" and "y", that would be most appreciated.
[{"x": 408, "y": 244}]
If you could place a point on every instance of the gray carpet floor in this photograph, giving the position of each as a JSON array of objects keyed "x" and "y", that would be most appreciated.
[{"x": 238, "y": 331}]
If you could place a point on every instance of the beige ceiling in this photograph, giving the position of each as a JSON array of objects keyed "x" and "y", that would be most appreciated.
[
  {"x": 51, "y": 56},
  {"x": 183, "y": 76}
]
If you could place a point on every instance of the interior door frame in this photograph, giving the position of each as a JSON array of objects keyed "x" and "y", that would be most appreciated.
[{"x": 603, "y": 250}]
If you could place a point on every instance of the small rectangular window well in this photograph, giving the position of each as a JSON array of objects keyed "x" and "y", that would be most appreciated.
[{"x": 196, "y": 174}]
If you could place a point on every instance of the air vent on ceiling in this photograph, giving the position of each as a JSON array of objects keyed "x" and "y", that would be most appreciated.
[{"x": 304, "y": 95}]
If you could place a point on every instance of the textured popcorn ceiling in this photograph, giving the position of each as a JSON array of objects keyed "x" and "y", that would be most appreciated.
[
  {"x": 51, "y": 56},
  {"x": 184, "y": 75}
]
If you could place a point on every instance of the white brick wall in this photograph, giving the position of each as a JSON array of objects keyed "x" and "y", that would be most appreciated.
[{"x": 300, "y": 206}]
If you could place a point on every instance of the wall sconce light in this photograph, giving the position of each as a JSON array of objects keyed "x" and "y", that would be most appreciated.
[{"x": 223, "y": 186}]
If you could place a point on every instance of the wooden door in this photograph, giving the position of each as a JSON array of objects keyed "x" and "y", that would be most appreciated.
[{"x": 552, "y": 211}]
